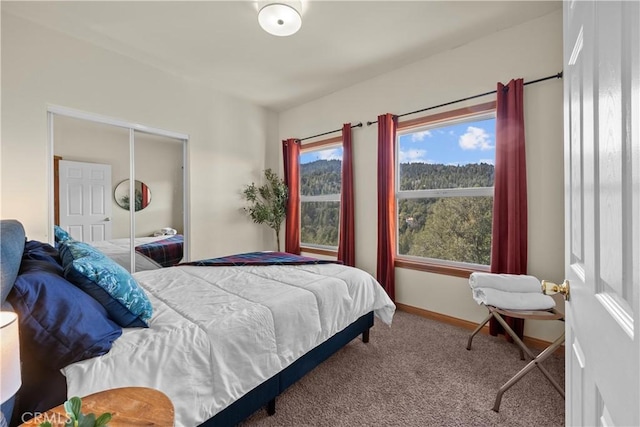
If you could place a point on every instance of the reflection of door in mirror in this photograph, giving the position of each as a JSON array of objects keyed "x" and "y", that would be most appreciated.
[
  {"x": 85, "y": 200},
  {"x": 89, "y": 142},
  {"x": 159, "y": 164}
]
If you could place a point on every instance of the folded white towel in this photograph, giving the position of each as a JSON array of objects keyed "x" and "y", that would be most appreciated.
[
  {"x": 513, "y": 300},
  {"x": 505, "y": 282}
]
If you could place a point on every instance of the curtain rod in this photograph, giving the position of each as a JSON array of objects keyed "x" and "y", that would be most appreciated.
[
  {"x": 359, "y": 125},
  {"x": 555, "y": 76}
]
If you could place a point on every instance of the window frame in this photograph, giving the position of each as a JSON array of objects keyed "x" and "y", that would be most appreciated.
[
  {"x": 336, "y": 141},
  {"x": 433, "y": 265}
]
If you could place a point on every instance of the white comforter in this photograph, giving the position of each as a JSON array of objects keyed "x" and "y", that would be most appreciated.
[{"x": 218, "y": 332}]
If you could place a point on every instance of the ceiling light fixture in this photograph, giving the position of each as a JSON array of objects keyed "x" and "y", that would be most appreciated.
[{"x": 280, "y": 18}]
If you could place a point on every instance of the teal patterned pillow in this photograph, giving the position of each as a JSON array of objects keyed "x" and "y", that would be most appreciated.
[
  {"x": 107, "y": 282},
  {"x": 60, "y": 234},
  {"x": 74, "y": 249}
]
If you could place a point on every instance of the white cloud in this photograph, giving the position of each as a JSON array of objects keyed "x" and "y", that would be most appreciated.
[
  {"x": 419, "y": 136},
  {"x": 333, "y": 154},
  {"x": 413, "y": 156},
  {"x": 475, "y": 139}
]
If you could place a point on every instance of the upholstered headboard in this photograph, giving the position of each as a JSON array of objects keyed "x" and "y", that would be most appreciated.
[{"x": 12, "y": 239}]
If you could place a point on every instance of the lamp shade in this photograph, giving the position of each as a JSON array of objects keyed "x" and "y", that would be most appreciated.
[
  {"x": 9, "y": 356},
  {"x": 279, "y": 19}
]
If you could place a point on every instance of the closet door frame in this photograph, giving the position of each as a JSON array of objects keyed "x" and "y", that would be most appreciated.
[{"x": 55, "y": 110}]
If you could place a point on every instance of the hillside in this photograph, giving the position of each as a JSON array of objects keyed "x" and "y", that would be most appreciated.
[{"x": 453, "y": 228}]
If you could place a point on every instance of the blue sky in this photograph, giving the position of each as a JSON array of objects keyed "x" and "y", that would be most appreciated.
[
  {"x": 326, "y": 154},
  {"x": 460, "y": 144}
]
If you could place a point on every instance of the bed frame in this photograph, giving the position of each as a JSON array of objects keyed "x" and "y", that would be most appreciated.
[
  {"x": 266, "y": 393},
  {"x": 12, "y": 239}
]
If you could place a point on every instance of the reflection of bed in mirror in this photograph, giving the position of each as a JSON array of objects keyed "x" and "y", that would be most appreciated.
[{"x": 151, "y": 252}]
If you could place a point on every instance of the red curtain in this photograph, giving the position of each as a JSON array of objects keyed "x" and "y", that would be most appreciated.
[
  {"x": 509, "y": 238},
  {"x": 291, "y": 157},
  {"x": 347, "y": 243},
  {"x": 145, "y": 196},
  {"x": 387, "y": 124}
]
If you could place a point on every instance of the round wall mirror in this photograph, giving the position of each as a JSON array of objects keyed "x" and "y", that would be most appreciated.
[{"x": 142, "y": 196}]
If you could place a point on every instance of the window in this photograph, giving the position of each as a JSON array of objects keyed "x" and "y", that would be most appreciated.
[
  {"x": 320, "y": 186},
  {"x": 444, "y": 187}
]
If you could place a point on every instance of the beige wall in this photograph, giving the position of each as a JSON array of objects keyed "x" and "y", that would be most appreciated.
[
  {"x": 159, "y": 165},
  {"x": 530, "y": 51},
  {"x": 226, "y": 149}
]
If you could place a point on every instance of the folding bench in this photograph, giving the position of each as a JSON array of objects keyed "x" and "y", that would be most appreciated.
[{"x": 557, "y": 313}]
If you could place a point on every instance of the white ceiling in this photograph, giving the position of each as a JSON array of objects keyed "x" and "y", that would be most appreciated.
[{"x": 220, "y": 43}]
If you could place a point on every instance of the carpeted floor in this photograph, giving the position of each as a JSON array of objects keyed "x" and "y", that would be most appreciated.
[{"x": 419, "y": 373}]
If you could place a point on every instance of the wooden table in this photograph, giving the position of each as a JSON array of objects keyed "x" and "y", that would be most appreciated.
[{"x": 129, "y": 407}]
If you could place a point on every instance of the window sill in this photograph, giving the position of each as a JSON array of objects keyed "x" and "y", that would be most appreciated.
[
  {"x": 447, "y": 270},
  {"x": 319, "y": 251}
]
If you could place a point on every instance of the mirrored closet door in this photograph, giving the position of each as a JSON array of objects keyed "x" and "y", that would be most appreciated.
[{"x": 119, "y": 187}]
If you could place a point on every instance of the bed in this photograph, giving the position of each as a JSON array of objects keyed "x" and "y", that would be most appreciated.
[{"x": 222, "y": 342}]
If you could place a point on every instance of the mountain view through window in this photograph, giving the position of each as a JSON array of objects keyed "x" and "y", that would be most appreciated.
[
  {"x": 445, "y": 191},
  {"x": 320, "y": 186}
]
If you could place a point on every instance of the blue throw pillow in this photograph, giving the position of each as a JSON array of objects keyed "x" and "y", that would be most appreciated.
[
  {"x": 74, "y": 249},
  {"x": 113, "y": 287},
  {"x": 34, "y": 250},
  {"x": 106, "y": 281},
  {"x": 59, "y": 324},
  {"x": 60, "y": 234}
]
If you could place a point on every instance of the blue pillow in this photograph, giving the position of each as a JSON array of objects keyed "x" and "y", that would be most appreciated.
[
  {"x": 74, "y": 249},
  {"x": 60, "y": 234},
  {"x": 59, "y": 324},
  {"x": 112, "y": 286},
  {"x": 34, "y": 250},
  {"x": 12, "y": 240}
]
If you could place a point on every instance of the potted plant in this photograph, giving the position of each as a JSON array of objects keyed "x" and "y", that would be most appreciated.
[
  {"x": 268, "y": 203},
  {"x": 75, "y": 418}
]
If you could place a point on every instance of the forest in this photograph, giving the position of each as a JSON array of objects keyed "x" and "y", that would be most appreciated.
[{"x": 448, "y": 228}]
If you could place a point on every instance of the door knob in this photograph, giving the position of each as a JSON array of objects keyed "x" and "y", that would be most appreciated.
[
  {"x": 552, "y": 288},
  {"x": 107, "y": 219}
]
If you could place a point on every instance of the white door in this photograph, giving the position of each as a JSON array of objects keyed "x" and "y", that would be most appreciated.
[
  {"x": 85, "y": 200},
  {"x": 602, "y": 210}
]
